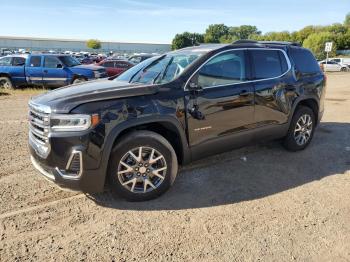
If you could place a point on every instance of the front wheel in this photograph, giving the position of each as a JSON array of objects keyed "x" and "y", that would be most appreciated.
[
  {"x": 301, "y": 129},
  {"x": 143, "y": 165},
  {"x": 78, "y": 80}
]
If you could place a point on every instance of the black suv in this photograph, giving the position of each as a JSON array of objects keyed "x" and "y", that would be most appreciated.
[{"x": 132, "y": 132}]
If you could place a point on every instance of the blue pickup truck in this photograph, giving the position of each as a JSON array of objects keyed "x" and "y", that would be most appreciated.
[{"x": 45, "y": 70}]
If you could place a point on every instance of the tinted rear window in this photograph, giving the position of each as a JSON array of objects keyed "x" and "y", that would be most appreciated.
[
  {"x": 304, "y": 60},
  {"x": 268, "y": 63}
]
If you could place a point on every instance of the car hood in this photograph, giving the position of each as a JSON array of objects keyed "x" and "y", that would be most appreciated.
[{"x": 64, "y": 99}]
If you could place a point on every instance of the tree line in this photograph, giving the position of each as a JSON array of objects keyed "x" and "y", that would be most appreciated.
[{"x": 312, "y": 37}]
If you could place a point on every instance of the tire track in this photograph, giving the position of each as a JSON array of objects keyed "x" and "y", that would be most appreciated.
[{"x": 33, "y": 208}]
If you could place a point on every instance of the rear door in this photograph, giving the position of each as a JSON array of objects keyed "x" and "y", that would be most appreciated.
[
  {"x": 269, "y": 68},
  {"x": 54, "y": 73},
  {"x": 34, "y": 70}
]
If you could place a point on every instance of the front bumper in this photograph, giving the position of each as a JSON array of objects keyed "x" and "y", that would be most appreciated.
[{"x": 52, "y": 168}]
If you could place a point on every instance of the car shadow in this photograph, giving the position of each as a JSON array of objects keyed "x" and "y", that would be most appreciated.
[{"x": 249, "y": 173}]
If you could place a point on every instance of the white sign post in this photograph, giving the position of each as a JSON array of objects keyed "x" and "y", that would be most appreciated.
[{"x": 328, "y": 48}]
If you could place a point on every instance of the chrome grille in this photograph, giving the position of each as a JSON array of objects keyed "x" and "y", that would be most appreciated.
[{"x": 39, "y": 124}]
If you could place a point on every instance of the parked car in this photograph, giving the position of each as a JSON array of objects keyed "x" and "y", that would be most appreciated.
[
  {"x": 115, "y": 67},
  {"x": 331, "y": 66},
  {"x": 45, "y": 70},
  {"x": 134, "y": 131},
  {"x": 341, "y": 61},
  {"x": 135, "y": 59}
]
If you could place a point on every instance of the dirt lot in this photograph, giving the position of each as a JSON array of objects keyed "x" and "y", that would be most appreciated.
[{"x": 275, "y": 206}]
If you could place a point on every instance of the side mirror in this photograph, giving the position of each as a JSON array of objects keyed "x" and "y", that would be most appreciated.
[
  {"x": 193, "y": 85},
  {"x": 59, "y": 66}
]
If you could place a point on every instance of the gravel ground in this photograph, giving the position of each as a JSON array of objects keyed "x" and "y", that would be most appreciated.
[{"x": 259, "y": 203}]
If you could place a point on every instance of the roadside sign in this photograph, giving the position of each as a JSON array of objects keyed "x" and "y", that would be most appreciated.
[{"x": 328, "y": 47}]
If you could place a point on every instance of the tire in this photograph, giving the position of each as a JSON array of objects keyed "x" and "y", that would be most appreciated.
[
  {"x": 343, "y": 69},
  {"x": 6, "y": 83},
  {"x": 79, "y": 80},
  {"x": 298, "y": 128},
  {"x": 130, "y": 180}
]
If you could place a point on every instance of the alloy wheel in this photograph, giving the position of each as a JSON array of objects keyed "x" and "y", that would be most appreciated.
[
  {"x": 142, "y": 170},
  {"x": 303, "y": 129}
]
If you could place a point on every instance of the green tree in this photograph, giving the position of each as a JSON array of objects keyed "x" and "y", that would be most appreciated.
[
  {"x": 343, "y": 41},
  {"x": 243, "y": 31},
  {"x": 316, "y": 43},
  {"x": 347, "y": 20},
  {"x": 93, "y": 43},
  {"x": 186, "y": 39},
  {"x": 306, "y": 31},
  {"x": 278, "y": 36},
  {"x": 336, "y": 28},
  {"x": 215, "y": 32}
]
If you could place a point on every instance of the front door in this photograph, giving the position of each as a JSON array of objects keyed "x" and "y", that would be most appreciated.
[
  {"x": 54, "y": 73},
  {"x": 223, "y": 110}
]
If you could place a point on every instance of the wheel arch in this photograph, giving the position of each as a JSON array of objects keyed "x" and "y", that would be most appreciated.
[
  {"x": 5, "y": 75},
  {"x": 310, "y": 102},
  {"x": 76, "y": 76},
  {"x": 168, "y": 128}
]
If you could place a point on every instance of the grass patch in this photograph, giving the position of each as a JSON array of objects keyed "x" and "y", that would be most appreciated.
[{"x": 25, "y": 91}]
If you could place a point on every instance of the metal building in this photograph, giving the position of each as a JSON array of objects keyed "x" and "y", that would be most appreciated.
[{"x": 46, "y": 44}]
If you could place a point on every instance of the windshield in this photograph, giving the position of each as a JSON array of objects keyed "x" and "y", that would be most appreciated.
[
  {"x": 161, "y": 69},
  {"x": 128, "y": 74},
  {"x": 69, "y": 61}
]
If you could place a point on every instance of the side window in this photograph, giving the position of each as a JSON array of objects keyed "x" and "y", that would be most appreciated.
[
  {"x": 51, "y": 62},
  {"x": 121, "y": 65},
  {"x": 5, "y": 61},
  {"x": 108, "y": 64},
  {"x": 18, "y": 61},
  {"x": 304, "y": 60},
  {"x": 35, "y": 61},
  {"x": 268, "y": 63},
  {"x": 224, "y": 69}
]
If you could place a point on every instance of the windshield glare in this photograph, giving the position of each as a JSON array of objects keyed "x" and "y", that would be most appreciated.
[
  {"x": 69, "y": 61},
  {"x": 161, "y": 69}
]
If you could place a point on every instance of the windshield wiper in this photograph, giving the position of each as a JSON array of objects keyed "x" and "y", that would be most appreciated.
[
  {"x": 143, "y": 69},
  {"x": 163, "y": 72}
]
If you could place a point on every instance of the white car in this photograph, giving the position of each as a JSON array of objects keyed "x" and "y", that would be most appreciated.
[
  {"x": 341, "y": 61},
  {"x": 332, "y": 66}
]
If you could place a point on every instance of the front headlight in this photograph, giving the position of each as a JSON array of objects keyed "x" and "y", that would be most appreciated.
[{"x": 70, "y": 122}]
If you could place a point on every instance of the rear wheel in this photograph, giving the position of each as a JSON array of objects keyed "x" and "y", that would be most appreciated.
[
  {"x": 343, "y": 69},
  {"x": 301, "y": 129},
  {"x": 6, "y": 83},
  {"x": 143, "y": 165}
]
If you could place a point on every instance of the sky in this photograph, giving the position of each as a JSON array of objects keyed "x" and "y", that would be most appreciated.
[{"x": 158, "y": 21}]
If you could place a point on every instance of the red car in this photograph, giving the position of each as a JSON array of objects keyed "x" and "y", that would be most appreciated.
[{"x": 115, "y": 67}]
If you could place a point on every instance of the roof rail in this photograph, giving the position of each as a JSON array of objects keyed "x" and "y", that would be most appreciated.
[
  {"x": 248, "y": 41},
  {"x": 279, "y": 43},
  {"x": 245, "y": 41}
]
